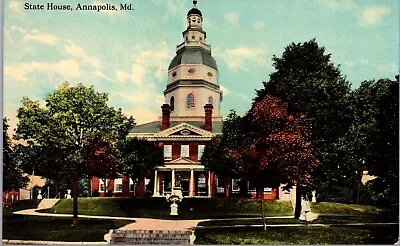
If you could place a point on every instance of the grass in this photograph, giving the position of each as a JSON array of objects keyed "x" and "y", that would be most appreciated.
[
  {"x": 330, "y": 212},
  {"x": 300, "y": 235},
  {"x": 20, "y": 205},
  {"x": 189, "y": 208},
  {"x": 24, "y": 227}
]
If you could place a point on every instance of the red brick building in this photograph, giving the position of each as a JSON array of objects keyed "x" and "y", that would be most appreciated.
[{"x": 190, "y": 118}]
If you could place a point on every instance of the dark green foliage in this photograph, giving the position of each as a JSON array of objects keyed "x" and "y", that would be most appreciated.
[
  {"x": 313, "y": 86},
  {"x": 13, "y": 179},
  {"x": 138, "y": 157},
  {"x": 216, "y": 153},
  {"x": 57, "y": 134}
]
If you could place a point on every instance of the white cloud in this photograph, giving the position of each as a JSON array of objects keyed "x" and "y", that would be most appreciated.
[
  {"x": 76, "y": 51},
  {"x": 232, "y": 18},
  {"x": 373, "y": 15},
  {"x": 244, "y": 57},
  {"x": 141, "y": 95},
  {"x": 145, "y": 61},
  {"x": 18, "y": 29},
  {"x": 341, "y": 5},
  {"x": 141, "y": 115},
  {"x": 259, "y": 25},
  {"x": 66, "y": 68},
  {"x": 225, "y": 90},
  {"x": 102, "y": 75},
  {"x": 42, "y": 38},
  {"x": 15, "y": 6}
]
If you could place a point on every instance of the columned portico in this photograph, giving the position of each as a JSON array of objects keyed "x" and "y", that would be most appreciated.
[
  {"x": 192, "y": 183},
  {"x": 156, "y": 188}
]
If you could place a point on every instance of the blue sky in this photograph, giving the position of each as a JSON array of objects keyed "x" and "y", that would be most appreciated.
[{"x": 126, "y": 54}]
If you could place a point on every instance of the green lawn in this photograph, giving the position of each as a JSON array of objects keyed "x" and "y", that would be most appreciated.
[
  {"x": 189, "y": 208},
  {"x": 330, "y": 212},
  {"x": 24, "y": 227},
  {"x": 300, "y": 235}
]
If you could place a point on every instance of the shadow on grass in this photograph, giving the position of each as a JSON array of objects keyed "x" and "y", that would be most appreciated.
[
  {"x": 21, "y": 227},
  {"x": 387, "y": 234}
]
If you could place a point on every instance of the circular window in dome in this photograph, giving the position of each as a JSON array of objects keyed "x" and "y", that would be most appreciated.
[
  {"x": 210, "y": 74},
  {"x": 173, "y": 75},
  {"x": 191, "y": 71}
]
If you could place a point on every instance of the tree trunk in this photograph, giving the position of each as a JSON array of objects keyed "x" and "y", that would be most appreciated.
[
  {"x": 57, "y": 186},
  {"x": 297, "y": 209},
  {"x": 261, "y": 192},
  {"x": 358, "y": 188},
  {"x": 75, "y": 200}
]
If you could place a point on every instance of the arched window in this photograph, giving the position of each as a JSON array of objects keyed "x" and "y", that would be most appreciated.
[
  {"x": 172, "y": 103},
  {"x": 210, "y": 100},
  {"x": 190, "y": 101}
]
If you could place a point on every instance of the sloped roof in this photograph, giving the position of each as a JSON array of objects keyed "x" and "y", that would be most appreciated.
[{"x": 154, "y": 126}]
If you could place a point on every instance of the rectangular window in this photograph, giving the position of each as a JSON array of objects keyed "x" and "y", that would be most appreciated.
[
  {"x": 267, "y": 189},
  {"x": 200, "y": 151},
  {"x": 131, "y": 186},
  {"x": 185, "y": 151},
  {"x": 167, "y": 152},
  {"x": 220, "y": 184},
  {"x": 251, "y": 187},
  {"x": 147, "y": 184},
  {"x": 235, "y": 185},
  {"x": 101, "y": 185},
  {"x": 118, "y": 185}
]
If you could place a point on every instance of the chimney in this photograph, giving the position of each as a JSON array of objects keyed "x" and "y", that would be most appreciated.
[
  {"x": 207, "y": 119},
  {"x": 166, "y": 110}
]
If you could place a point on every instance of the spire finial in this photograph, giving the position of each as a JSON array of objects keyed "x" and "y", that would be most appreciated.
[{"x": 194, "y": 3}]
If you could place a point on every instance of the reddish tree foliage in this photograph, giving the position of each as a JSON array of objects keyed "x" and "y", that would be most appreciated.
[
  {"x": 280, "y": 151},
  {"x": 100, "y": 158}
]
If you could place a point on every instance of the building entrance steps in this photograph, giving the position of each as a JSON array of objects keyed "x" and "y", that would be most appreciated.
[{"x": 48, "y": 203}]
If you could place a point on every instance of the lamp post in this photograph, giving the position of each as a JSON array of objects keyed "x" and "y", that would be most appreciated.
[{"x": 33, "y": 174}]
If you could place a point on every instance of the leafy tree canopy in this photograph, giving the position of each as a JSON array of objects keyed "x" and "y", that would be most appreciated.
[{"x": 13, "y": 178}]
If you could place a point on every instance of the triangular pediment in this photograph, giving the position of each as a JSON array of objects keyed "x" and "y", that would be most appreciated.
[
  {"x": 182, "y": 160},
  {"x": 184, "y": 130}
]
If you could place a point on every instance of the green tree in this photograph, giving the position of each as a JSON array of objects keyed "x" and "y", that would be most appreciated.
[
  {"x": 313, "y": 86},
  {"x": 215, "y": 157},
  {"x": 13, "y": 178},
  {"x": 72, "y": 115},
  {"x": 383, "y": 156},
  {"x": 269, "y": 146},
  {"x": 138, "y": 157}
]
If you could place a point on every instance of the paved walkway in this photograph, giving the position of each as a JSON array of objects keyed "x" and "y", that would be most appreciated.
[{"x": 161, "y": 224}]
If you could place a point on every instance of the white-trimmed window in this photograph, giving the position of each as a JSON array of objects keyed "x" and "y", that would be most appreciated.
[
  {"x": 102, "y": 185},
  {"x": 201, "y": 181},
  {"x": 220, "y": 184},
  {"x": 185, "y": 151},
  {"x": 267, "y": 189},
  {"x": 131, "y": 186},
  {"x": 118, "y": 185},
  {"x": 190, "y": 100},
  {"x": 250, "y": 187},
  {"x": 147, "y": 184},
  {"x": 235, "y": 185},
  {"x": 200, "y": 151},
  {"x": 167, "y": 152}
]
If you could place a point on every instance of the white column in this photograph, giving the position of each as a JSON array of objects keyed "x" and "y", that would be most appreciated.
[
  {"x": 191, "y": 183},
  {"x": 209, "y": 184},
  {"x": 155, "y": 192},
  {"x": 173, "y": 180}
]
